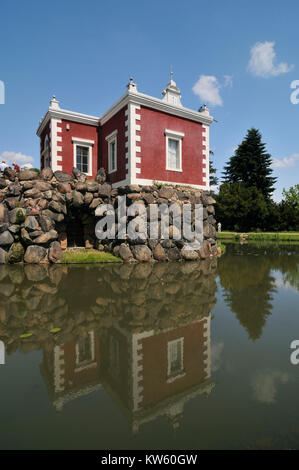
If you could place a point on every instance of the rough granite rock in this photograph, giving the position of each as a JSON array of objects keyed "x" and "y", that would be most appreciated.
[
  {"x": 142, "y": 252},
  {"x": 46, "y": 174},
  {"x": 16, "y": 253},
  {"x": 6, "y": 238},
  {"x": 55, "y": 252},
  {"x": 28, "y": 175},
  {"x": 35, "y": 254},
  {"x": 62, "y": 177}
]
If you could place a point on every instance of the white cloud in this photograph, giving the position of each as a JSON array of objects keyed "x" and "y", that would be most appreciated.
[
  {"x": 207, "y": 88},
  {"x": 286, "y": 162},
  {"x": 17, "y": 157},
  {"x": 262, "y": 61},
  {"x": 265, "y": 384}
]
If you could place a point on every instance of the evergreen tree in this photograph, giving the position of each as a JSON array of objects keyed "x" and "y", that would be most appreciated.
[
  {"x": 213, "y": 178},
  {"x": 251, "y": 165}
]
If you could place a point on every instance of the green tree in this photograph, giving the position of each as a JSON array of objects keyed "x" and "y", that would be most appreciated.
[
  {"x": 213, "y": 178},
  {"x": 251, "y": 165},
  {"x": 291, "y": 196},
  {"x": 241, "y": 208}
]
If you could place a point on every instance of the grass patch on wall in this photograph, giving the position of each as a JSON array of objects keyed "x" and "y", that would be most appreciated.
[{"x": 88, "y": 256}]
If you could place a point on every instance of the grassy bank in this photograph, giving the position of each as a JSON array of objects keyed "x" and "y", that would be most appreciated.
[
  {"x": 262, "y": 236},
  {"x": 88, "y": 256}
]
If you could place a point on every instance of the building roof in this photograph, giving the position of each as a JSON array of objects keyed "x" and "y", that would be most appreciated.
[{"x": 132, "y": 95}]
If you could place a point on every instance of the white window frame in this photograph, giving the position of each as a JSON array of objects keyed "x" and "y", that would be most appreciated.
[
  {"x": 112, "y": 138},
  {"x": 178, "y": 136},
  {"x": 77, "y": 141},
  {"x": 81, "y": 365},
  {"x": 181, "y": 373}
]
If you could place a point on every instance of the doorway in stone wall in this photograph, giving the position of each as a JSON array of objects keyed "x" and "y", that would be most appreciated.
[{"x": 74, "y": 229}]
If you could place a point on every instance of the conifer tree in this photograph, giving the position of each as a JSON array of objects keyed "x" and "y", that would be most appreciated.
[
  {"x": 251, "y": 165},
  {"x": 213, "y": 171}
]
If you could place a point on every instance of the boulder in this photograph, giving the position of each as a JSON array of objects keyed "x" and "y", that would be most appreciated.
[
  {"x": 3, "y": 227},
  {"x": 92, "y": 186},
  {"x": 31, "y": 223},
  {"x": 78, "y": 199},
  {"x": 55, "y": 252},
  {"x": 78, "y": 175},
  {"x": 189, "y": 255},
  {"x": 104, "y": 189},
  {"x": 166, "y": 192},
  {"x": 3, "y": 183},
  {"x": 81, "y": 187},
  {"x": 124, "y": 252},
  {"x": 64, "y": 188},
  {"x": 46, "y": 223},
  {"x": 142, "y": 252},
  {"x": 17, "y": 215},
  {"x": 6, "y": 238},
  {"x": 46, "y": 237},
  {"x": 62, "y": 177},
  {"x": 25, "y": 175},
  {"x": 101, "y": 176},
  {"x": 3, "y": 213},
  {"x": 159, "y": 253},
  {"x": 25, "y": 236},
  {"x": 88, "y": 197},
  {"x": 46, "y": 174},
  {"x": 53, "y": 215},
  {"x": 16, "y": 253},
  {"x": 56, "y": 207},
  {"x": 35, "y": 254},
  {"x": 42, "y": 186},
  {"x": 9, "y": 173},
  {"x": 3, "y": 256},
  {"x": 173, "y": 254}
]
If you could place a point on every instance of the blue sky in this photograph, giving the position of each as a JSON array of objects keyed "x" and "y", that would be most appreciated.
[{"x": 85, "y": 52}]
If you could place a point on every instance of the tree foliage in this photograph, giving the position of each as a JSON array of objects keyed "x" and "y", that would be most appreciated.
[{"x": 251, "y": 165}]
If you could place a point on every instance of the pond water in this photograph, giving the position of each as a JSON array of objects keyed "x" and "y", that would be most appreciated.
[{"x": 163, "y": 356}]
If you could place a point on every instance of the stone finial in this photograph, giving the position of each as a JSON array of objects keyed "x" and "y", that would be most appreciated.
[
  {"x": 54, "y": 104},
  {"x": 204, "y": 110},
  {"x": 172, "y": 94},
  {"x": 132, "y": 85}
]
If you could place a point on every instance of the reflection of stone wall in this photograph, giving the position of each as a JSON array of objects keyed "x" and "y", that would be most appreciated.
[
  {"x": 115, "y": 324},
  {"x": 35, "y": 299},
  {"x": 42, "y": 214}
]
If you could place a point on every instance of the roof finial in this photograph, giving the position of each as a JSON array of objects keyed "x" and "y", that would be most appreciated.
[
  {"x": 171, "y": 73},
  {"x": 131, "y": 85},
  {"x": 54, "y": 104}
]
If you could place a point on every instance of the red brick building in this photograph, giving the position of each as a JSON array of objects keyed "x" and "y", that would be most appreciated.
[{"x": 140, "y": 139}]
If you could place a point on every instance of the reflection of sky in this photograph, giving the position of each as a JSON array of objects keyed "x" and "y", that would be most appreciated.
[
  {"x": 281, "y": 283},
  {"x": 265, "y": 384}
]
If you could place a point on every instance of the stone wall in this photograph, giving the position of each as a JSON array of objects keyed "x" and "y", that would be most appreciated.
[{"x": 41, "y": 214}]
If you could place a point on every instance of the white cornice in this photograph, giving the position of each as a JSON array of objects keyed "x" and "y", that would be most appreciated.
[
  {"x": 155, "y": 103},
  {"x": 67, "y": 115},
  {"x": 128, "y": 97}
]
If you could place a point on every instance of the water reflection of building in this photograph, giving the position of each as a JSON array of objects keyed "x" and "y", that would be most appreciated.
[
  {"x": 148, "y": 373},
  {"x": 72, "y": 369}
]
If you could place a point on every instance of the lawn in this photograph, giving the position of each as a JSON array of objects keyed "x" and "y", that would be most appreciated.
[
  {"x": 271, "y": 236},
  {"x": 88, "y": 256}
]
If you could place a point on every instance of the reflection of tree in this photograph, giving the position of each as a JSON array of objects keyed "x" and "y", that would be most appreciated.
[{"x": 248, "y": 286}]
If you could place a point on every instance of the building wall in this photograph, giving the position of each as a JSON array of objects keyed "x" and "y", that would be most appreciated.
[
  {"x": 117, "y": 122},
  {"x": 155, "y": 362},
  {"x": 152, "y": 145},
  {"x": 46, "y": 132},
  {"x": 82, "y": 131}
]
